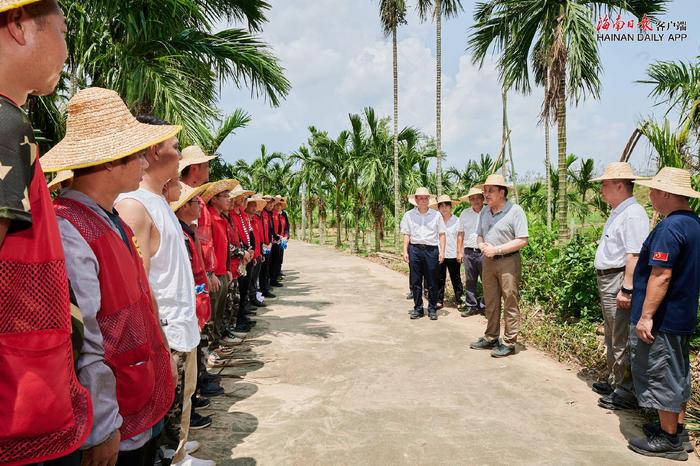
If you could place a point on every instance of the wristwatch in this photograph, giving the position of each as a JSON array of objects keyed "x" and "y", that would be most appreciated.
[{"x": 626, "y": 291}]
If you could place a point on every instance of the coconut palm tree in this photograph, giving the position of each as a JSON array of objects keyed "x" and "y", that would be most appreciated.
[
  {"x": 393, "y": 14},
  {"x": 261, "y": 170},
  {"x": 437, "y": 9},
  {"x": 167, "y": 57},
  {"x": 557, "y": 38}
]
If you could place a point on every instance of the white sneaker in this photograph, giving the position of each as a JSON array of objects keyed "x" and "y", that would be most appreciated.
[
  {"x": 259, "y": 296},
  {"x": 192, "y": 461},
  {"x": 192, "y": 446}
]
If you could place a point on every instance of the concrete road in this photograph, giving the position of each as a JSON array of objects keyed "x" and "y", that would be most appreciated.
[{"x": 335, "y": 373}]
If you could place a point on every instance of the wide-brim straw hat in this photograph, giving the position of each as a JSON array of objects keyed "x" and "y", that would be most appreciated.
[
  {"x": 671, "y": 180},
  {"x": 618, "y": 171},
  {"x": 11, "y": 4},
  {"x": 218, "y": 187},
  {"x": 412, "y": 200},
  {"x": 100, "y": 129},
  {"x": 187, "y": 193},
  {"x": 473, "y": 191},
  {"x": 60, "y": 177},
  {"x": 239, "y": 192},
  {"x": 260, "y": 203},
  {"x": 496, "y": 180},
  {"x": 443, "y": 198},
  {"x": 193, "y": 155},
  {"x": 420, "y": 192}
]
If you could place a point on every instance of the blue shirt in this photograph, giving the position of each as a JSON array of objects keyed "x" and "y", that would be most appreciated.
[{"x": 674, "y": 244}]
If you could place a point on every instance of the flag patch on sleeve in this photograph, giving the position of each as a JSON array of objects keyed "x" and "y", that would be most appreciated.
[{"x": 660, "y": 256}]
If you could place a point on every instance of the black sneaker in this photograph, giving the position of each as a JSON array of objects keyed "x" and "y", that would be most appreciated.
[
  {"x": 211, "y": 389},
  {"x": 197, "y": 421},
  {"x": 257, "y": 303},
  {"x": 201, "y": 403},
  {"x": 615, "y": 402},
  {"x": 470, "y": 311},
  {"x": 417, "y": 314},
  {"x": 276, "y": 284},
  {"x": 653, "y": 428},
  {"x": 501, "y": 351},
  {"x": 660, "y": 445},
  {"x": 433, "y": 316},
  {"x": 602, "y": 388},
  {"x": 267, "y": 294},
  {"x": 409, "y": 296},
  {"x": 483, "y": 343}
]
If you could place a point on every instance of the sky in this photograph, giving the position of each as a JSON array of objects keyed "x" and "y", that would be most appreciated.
[{"x": 338, "y": 61}]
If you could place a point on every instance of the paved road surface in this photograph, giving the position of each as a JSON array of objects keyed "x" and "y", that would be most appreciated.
[{"x": 335, "y": 373}]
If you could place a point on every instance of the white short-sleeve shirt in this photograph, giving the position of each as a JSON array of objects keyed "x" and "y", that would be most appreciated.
[
  {"x": 423, "y": 228},
  {"x": 468, "y": 221},
  {"x": 451, "y": 230},
  {"x": 623, "y": 233}
]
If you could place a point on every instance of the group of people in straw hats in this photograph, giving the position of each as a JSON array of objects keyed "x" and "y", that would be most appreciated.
[
  {"x": 649, "y": 283},
  {"x": 120, "y": 294}
]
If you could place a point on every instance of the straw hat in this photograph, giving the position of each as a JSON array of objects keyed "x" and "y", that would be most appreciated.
[
  {"x": 474, "y": 191},
  {"x": 412, "y": 200},
  {"x": 193, "y": 155},
  {"x": 238, "y": 191},
  {"x": 187, "y": 193},
  {"x": 419, "y": 192},
  {"x": 10, "y": 4},
  {"x": 260, "y": 203},
  {"x": 671, "y": 180},
  {"x": 618, "y": 171},
  {"x": 496, "y": 180},
  {"x": 60, "y": 177},
  {"x": 218, "y": 187},
  {"x": 443, "y": 198},
  {"x": 268, "y": 197},
  {"x": 101, "y": 129},
  {"x": 283, "y": 202}
]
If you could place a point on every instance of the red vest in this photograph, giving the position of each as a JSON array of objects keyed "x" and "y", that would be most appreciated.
[
  {"x": 204, "y": 236},
  {"x": 219, "y": 241},
  {"x": 276, "y": 224},
  {"x": 258, "y": 233},
  {"x": 265, "y": 219},
  {"x": 283, "y": 225},
  {"x": 44, "y": 411},
  {"x": 234, "y": 242},
  {"x": 133, "y": 343},
  {"x": 202, "y": 299},
  {"x": 241, "y": 222}
]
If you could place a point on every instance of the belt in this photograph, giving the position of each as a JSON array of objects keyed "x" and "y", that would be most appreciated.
[
  {"x": 423, "y": 246},
  {"x": 502, "y": 256},
  {"x": 602, "y": 273},
  {"x": 473, "y": 249}
]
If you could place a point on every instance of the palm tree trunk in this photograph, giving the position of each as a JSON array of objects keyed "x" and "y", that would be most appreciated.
[
  {"x": 506, "y": 134},
  {"x": 438, "y": 95},
  {"x": 356, "y": 239},
  {"x": 504, "y": 130},
  {"x": 303, "y": 211},
  {"x": 547, "y": 169},
  {"x": 397, "y": 184},
  {"x": 561, "y": 161},
  {"x": 337, "y": 216}
]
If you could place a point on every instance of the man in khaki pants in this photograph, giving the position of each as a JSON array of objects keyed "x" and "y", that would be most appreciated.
[
  {"x": 501, "y": 234},
  {"x": 618, "y": 251}
]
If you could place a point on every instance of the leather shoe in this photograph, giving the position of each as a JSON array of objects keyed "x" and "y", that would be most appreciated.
[
  {"x": 602, "y": 388},
  {"x": 211, "y": 390},
  {"x": 267, "y": 294},
  {"x": 433, "y": 316},
  {"x": 276, "y": 284},
  {"x": 501, "y": 351},
  {"x": 483, "y": 343},
  {"x": 615, "y": 402},
  {"x": 257, "y": 303},
  {"x": 417, "y": 314}
]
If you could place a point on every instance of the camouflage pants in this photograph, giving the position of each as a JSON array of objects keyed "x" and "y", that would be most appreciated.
[
  {"x": 232, "y": 302},
  {"x": 177, "y": 420}
]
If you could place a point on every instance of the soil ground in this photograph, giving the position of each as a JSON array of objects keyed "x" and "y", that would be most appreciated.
[{"x": 335, "y": 373}]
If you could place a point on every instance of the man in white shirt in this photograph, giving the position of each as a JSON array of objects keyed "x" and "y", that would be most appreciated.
[
  {"x": 424, "y": 243},
  {"x": 468, "y": 251},
  {"x": 615, "y": 260}
]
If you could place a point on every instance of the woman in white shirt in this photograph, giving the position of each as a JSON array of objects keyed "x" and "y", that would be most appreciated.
[{"x": 444, "y": 205}]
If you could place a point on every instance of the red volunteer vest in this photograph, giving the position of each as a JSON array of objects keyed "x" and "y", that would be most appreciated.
[
  {"x": 234, "y": 242},
  {"x": 204, "y": 236},
  {"x": 257, "y": 233},
  {"x": 44, "y": 411},
  {"x": 219, "y": 238},
  {"x": 283, "y": 225},
  {"x": 265, "y": 219},
  {"x": 202, "y": 300},
  {"x": 133, "y": 344},
  {"x": 276, "y": 224}
]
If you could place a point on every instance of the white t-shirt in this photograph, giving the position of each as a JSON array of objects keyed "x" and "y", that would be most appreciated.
[
  {"x": 171, "y": 276},
  {"x": 468, "y": 221},
  {"x": 451, "y": 229},
  {"x": 623, "y": 233},
  {"x": 423, "y": 228}
]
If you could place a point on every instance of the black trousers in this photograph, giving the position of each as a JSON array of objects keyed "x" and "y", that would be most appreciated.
[
  {"x": 264, "y": 276},
  {"x": 453, "y": 266},
  {"x": 144, "y": 456},
  {"x": 243, "y": 284},
  {"x": 275, "y": 262},
  {"x": 424, "y": 263},
  {"x": 473, "y": 260}
]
